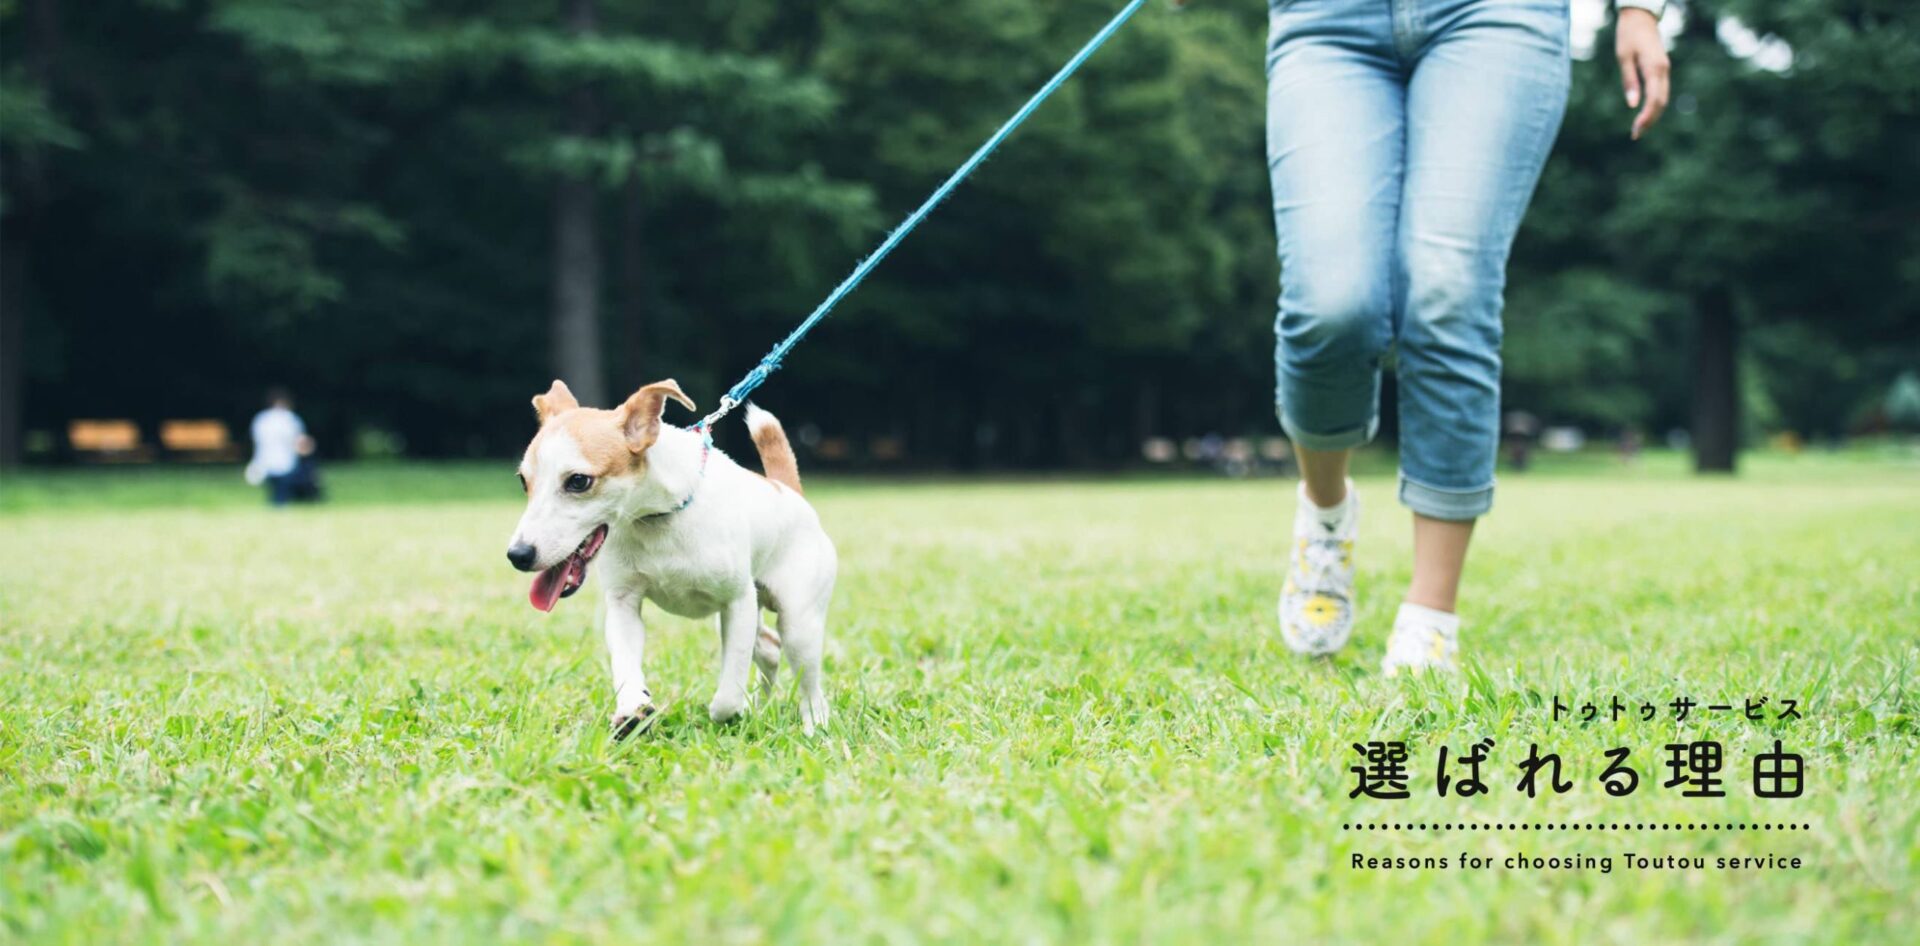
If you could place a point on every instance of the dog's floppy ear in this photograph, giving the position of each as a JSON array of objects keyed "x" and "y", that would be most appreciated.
[
  {"x": 640, "y": 416},
  {"x": 558, "y": 399}
]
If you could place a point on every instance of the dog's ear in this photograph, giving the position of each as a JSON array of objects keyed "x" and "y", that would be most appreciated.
[
  {"x": 640, "y": 416},
  {"x": 557, "y": 400}
]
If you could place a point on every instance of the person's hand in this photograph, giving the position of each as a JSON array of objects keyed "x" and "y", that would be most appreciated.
[{"x": 1643, "y": 66}]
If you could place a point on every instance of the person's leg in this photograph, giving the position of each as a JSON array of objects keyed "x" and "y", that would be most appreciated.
[
  {"x": 304, "y": 481},
  {"x": 279, "y": 489},
  {"x": 1483, "y": 106},
  {"x": 1324, "y": 473},
  {"x": 1335, "y": 129},
  {"x": 1439, "y": 556}
]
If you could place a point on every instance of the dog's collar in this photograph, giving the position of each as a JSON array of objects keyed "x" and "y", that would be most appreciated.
[{"x": 706, "y": 448}]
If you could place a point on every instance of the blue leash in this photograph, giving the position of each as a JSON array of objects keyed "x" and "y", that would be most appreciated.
[{"x": 737, "y": 395}]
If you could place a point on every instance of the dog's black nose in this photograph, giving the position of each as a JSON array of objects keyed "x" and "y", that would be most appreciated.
[{"x": 521, "y": 555}]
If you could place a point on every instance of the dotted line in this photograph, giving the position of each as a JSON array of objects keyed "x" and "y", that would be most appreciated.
[{"x": 1575, "y": 826}]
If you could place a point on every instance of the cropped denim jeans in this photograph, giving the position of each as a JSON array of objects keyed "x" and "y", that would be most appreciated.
[{"x": 1404, "y": 139}]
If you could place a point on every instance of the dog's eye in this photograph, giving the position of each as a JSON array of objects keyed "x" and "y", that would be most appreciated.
[
  {"x": 578, "y": 483},
  {"x": 522, "y": 477}
]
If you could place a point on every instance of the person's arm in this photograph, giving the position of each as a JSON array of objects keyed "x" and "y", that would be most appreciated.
[{"x": 1643, "y": 60}]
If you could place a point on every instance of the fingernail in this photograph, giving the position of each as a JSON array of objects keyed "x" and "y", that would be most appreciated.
[{"x": 1633, "y": 99}]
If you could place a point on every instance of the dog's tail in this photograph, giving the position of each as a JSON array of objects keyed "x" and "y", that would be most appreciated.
[{"x": 776, "y": 454}]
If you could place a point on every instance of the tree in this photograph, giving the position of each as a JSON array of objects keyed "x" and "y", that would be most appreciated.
[
  {"x": 346, "y": 197},
  {"x": 365, "y": 200},
  {"x": 576, "y": 240},
  {"x": 31, "y": 130},
  {"x": 1115, "y": 250},
  {"x": 1773, "y": 196}
]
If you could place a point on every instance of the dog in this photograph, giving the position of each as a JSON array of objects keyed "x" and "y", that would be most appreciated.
[{"x": 681, "y": 525}]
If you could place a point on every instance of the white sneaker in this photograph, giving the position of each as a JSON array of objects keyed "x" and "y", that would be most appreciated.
[
  {"x": 1423, "y": 639},
  {"x": 1316, "y": 604}
]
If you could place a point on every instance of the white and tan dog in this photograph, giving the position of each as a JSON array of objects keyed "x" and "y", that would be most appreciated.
[{"x": 683, "y": 526}]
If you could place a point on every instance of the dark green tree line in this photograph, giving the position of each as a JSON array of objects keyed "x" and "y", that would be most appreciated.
[{"x": 416, "y": 212}]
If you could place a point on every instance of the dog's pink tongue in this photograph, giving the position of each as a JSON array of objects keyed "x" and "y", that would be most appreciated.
[{"x": 547, "y": 587}]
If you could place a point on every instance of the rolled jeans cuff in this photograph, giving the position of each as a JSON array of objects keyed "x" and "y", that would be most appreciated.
[
  {"x": 1453, "y": 505},
  {"x": 1338, "y": 440}
]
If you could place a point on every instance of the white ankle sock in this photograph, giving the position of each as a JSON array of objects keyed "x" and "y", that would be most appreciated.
[
  {"x": 1333, "y": 518},
  {"x": 1430, "y": 617}
]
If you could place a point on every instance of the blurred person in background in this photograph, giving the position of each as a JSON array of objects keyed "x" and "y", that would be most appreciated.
[
  {"x": 303, "y": 484},
  {"x": 282, "y": 452},
  {"x": 1630, "y": 444},
  {"x": 1403, "y": 144},
  {"x": 1522, "y": 428}
]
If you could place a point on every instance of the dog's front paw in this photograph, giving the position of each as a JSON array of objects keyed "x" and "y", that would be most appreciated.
[
  {"x": 726, "y": 707},
  {"x": 813, "y": 714},
  {"x": 639, "y": 720}
]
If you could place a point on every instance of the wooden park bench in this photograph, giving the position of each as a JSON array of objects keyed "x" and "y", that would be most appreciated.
[
  {"x": 201, "y": 441},
  {"x": 118, "y": 441},
  {"x": 108, "y": 441}
]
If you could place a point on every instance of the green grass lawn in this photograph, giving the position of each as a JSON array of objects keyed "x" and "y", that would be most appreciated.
[{"x": 1062, "y": 714}]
